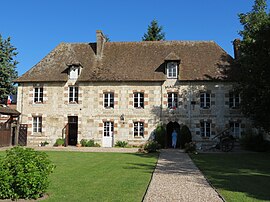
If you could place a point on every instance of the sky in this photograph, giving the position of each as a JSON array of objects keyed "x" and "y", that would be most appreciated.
[{"x": 37, "y": 26}]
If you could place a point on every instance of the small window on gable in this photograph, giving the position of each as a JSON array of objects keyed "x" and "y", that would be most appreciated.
[
  {"x": 172, "y": 69},
  {"x": 74, "y": 72}
]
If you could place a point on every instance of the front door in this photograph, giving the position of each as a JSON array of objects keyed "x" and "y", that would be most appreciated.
[
  {"x": 72, "y": 130},
  {"x": 107, "y": 140}
]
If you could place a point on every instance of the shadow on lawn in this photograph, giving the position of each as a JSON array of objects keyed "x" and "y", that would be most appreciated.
[{"x": 245, "y": 173}]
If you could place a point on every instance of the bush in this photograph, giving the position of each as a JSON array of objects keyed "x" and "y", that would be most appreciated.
[
  {"x": 59, "y": 142},
  {"x": 254, "y": 142},
  {"x": 160, "y": 135},
  {"x": 121, "y": 144},
  {"x": 151, "y": 146},
  {"x": 24, "y": 173},
  {"x": 185, "y": 136},
  {"x": 190, "y": 147},
  {"x": 89, "y": 143}
]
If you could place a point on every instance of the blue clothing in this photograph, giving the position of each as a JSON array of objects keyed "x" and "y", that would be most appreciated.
[{"x": 174, "y": 138}]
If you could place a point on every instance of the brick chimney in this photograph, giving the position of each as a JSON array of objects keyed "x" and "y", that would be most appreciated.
[
  {"x": 236, "y": 46},
  {"x": 100, "y": 43}
]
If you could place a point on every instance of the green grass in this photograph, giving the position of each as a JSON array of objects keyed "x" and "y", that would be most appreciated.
[
  {"x": 237, "y": 177},
  {"x": 100, "y": 176}
]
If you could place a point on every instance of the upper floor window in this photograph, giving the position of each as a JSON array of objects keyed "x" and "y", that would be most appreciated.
[
  {"x": 73, "y": 94},
  {"x": 138, "y": 100},
  {"x": 172, "y": 70},
  {"x": 234, "y": 100},
  {"x": 205, "y": 100},
  {"x": 138, "y": 129},
  {"x": 74, "y": 72},
  {"x": 38, "y": 94},
  {"x": 172, "y": 100},
  {"x": 109, "y": 100},
  {"x": 205, "y": 129},
  {"x": 235, "y": 129},
  {"x": 37, "y": 124},
  {"x": 108, "y": 129}
]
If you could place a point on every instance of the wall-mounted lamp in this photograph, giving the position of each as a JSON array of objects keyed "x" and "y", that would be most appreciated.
[{"x": 122, "y": 117}]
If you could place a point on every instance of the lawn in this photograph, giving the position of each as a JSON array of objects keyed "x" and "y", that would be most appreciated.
[
  {"x": 237, "y": 177},
  {"x": 81, "y": 176}
]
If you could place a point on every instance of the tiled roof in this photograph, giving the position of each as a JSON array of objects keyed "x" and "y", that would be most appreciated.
[
  {"x": 131, "y": 61},
  {"x": 5, "y": 110}
]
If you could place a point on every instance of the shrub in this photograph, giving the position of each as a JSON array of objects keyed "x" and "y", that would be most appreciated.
[
  {"x": 121, "y": 144},
  {"x": 89, "y": 143},
  {"x": 190, "y": 147},
  {"x": 151, "y": 146},
  {"x": 60, "y": 142},
  {"x": 24, "y": 173},
  {"x": 254, "y": 142},
  {"x": 160, "y": 133},
  {"x": 185, "y": 136}
]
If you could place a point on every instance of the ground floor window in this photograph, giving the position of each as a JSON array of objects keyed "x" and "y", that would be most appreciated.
[
  {"x": 235, "y": 129},
  {"x": 108, "y": 129},
  {"x": 37, "y": 124},
  {"x": 205, "y": 129},
  {"x": 138, "y": 129}
]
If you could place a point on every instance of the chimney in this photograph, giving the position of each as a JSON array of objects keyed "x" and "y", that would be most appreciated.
[
  {"x": 100, "y": 43},
  {"x": 236, "y": 46}
]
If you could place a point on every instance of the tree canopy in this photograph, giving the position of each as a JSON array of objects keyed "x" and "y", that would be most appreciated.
[
  {"x": 7, "y": 67},
  {"x": 254, "y": 65},
  {"x": 154, "y": 32}
]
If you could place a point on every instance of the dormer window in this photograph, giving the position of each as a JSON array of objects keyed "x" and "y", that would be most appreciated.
[
  {"x": 172, "y": 69},
  {"x": 74, "y": 72}
]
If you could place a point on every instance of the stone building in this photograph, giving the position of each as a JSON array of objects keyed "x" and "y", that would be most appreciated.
[{"x": 109, "y": 91}]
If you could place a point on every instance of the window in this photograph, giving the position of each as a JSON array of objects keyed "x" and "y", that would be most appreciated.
[
  {"x": 108, "y": 100},
  {"x": 172, "y": 100},
  {"x": 172, "y": 70},
  {"x": 108, "y": 129},
  {"x": 138, "y": 100},
  {"x": 138, "y": 129},
  {"x": 235, "y": 129},
  {"x": 37, "y": 124},
  {"x": 205, "y": 129},
  {"x": 73, "y": 72},
  {"x": 234, "y": 100},
  {"x": 73, "y": 94},
  {"x": 38, "y": 94},
  {"x": 205, "y": 100}
]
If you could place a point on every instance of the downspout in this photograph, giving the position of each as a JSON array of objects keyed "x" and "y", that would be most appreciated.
[{"x": 189, "y": 103}]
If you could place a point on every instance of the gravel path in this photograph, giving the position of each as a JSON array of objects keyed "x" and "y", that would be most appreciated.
[{"x": 176, "y": 178}]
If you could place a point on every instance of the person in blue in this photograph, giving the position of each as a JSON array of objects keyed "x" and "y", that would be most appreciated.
[{"x": 174, "y": 138}]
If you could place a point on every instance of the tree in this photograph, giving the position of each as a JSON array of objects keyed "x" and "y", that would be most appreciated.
[
  {"x": 154, "y": 32},
  {"x": 7, "y": 67},
  {"x": 254, "y": 65}
]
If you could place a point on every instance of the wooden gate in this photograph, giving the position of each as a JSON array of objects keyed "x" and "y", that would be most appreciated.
[
  {"x": 22, "y": 139},
  {"x": 5, "y": 135}
]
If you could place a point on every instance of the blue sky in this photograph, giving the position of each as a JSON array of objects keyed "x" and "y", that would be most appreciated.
[{"x": 36, "y": 26}]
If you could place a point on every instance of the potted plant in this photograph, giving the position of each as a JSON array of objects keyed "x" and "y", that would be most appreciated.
[{"x": 59, "y": 142}]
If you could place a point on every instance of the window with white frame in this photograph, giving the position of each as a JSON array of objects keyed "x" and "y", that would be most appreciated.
[
  {"x": 138, "y": 129},
  {"x": 73, "y": 94},
  {"x": 138, "y": 100},
  {"x": 38, "y": 94},
  {"x": 108, "y": 129},
  {"x": 172, "y": 100},
  {"x": 205, "y": 100},
  {"x": 109, "y": 100},
  {"x": 74, "y": 72},
  {"x": 234, "y": 100},
  {"x": 37, "y": 124},
  {"x": 235, "y": 129},
  {"x": 205, "y": 129},
  {"x": 172, "y": 68}
]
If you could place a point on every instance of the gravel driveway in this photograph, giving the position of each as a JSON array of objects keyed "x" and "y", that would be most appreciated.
[{"x": 176, "y": 178}]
